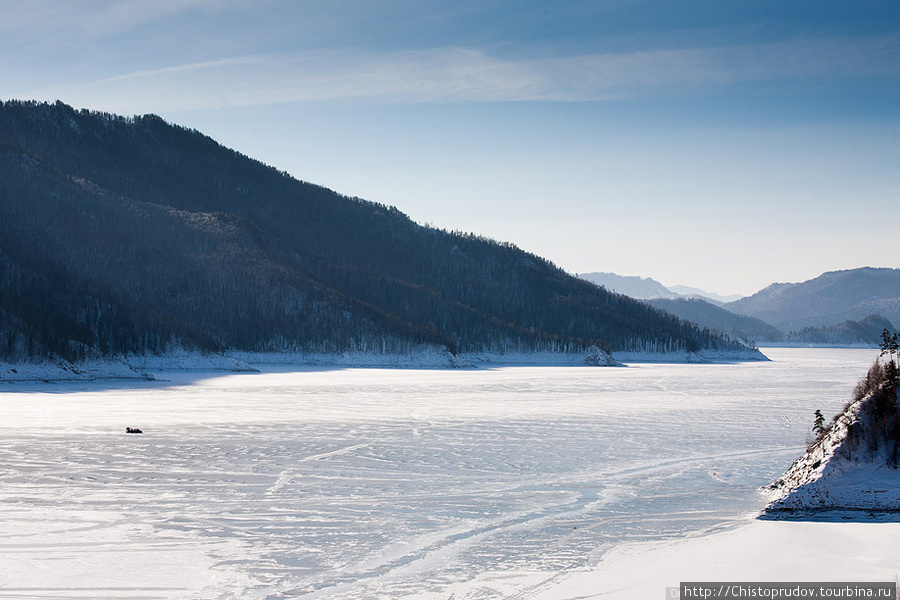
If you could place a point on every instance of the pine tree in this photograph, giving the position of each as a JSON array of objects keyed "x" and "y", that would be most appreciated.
[
  {"x": 819, "y": 426},
  {"x": 890, "y": 343}
]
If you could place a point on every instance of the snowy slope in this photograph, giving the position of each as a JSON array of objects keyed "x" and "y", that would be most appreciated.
[
  {"x": 63, "y": 370},
  {"x": 840, "y": 473},
  {"x": 129, "y": 366}
]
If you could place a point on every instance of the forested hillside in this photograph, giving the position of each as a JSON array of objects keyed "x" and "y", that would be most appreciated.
[
  {"x": 866, "y": 331},
  {"x": 718, "y": 319},
  {"x": 133, "y": 235}
]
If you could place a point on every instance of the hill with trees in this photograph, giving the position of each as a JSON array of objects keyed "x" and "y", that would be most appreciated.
[
  {"x": 132, "y": 235},
  {"x": 866, "y": 332}
]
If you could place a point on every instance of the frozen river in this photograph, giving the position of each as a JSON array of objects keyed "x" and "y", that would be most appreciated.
[{"x": 370, "y": 483}]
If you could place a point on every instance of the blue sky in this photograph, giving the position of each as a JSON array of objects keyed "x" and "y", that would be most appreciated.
[{"x": 720, "y": 144}]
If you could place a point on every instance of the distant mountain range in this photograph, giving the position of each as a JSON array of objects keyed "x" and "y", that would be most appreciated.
[
  {"x": 135, "y": 236},
  {"x": 692, "y": 292},
  {"x": 646, "y": 288},
  {"x": 831, "y": 298},
  {"x": 848, "y": 307}
]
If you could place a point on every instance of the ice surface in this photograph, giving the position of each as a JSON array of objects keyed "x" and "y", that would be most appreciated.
[{"x": 370, "y": 483}]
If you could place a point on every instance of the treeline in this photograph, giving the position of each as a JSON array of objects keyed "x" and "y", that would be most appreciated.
[
  {"x": 130, "y": 235},
  {"x": 864, "y": 331}
]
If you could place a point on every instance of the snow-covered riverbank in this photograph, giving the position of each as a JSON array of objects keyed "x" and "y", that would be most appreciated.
[
  {"x": 427, "y": 357},
  {"x": 60, "y": 370}
]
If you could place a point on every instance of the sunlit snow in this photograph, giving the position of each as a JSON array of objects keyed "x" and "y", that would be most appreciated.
[{"x": 380, "y": 483}]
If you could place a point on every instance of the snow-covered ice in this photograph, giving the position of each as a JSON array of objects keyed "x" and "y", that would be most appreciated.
[
  {"x": 757, "y": 551},
  {"x": 520, "y": 482}
]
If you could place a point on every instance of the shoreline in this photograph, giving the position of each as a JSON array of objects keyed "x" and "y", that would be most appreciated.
[{"x": 141, "y": 368}]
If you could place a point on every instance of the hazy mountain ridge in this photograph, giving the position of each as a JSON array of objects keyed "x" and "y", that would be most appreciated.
[
  {"x": 629, "y": 285},
  {"x": 867, "y": 293},
  {"x": 694, "y": 292},
  {"x": 833, "y": 297},
  {"x": 647, "y": 288},
  {"x": 715, "y": 318},
  {"x": 148, "y": 236},
  {"x": 865, "y": 332}
]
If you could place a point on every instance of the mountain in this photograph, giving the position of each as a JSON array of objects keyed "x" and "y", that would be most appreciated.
[
  {"x": 131, "y": 235},
  {"x": 634, "y": 287},
  {"x": 854, "y": 464},
  {"x": 646, "y": 288},
  {"x": 720, "y": 320},
  {"x": 834, "y": 297},
  {"x": 866, "y": 332},
  {"x": 693, "y": 292},
  {"x": 829, "y": 310}
]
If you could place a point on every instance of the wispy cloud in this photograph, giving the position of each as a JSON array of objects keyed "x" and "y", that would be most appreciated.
[
  {"x": 95, "y": 17},
  {"x": 467, "y": 75}
]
